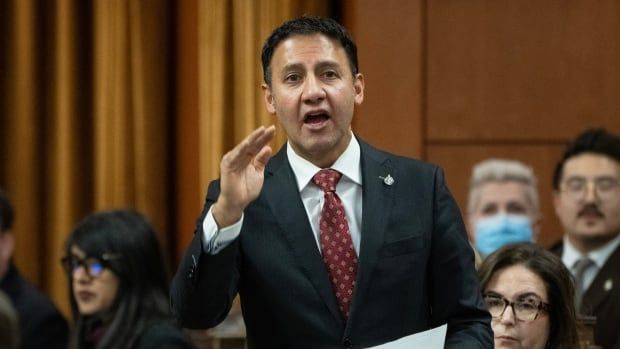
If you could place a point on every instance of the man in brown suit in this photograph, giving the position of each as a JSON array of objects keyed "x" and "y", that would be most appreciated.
[{"x": 586, "y": 185}]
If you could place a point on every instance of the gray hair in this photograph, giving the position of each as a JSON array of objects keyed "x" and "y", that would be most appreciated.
[{"x": 502, "y": 170}]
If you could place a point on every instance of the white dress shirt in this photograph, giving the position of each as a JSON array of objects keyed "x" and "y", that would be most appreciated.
[
  {"x": 571, "y": 255},
  {"x": 349, "y": 189}
]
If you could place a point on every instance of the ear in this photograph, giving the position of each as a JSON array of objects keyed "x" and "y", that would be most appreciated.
[
  {"x": 7, "y": 246},
  {"x": 557, "y": 202},
  {"x": 471, "y": 228},
  {"x": 269, "y": 100},
  {"x": 358, "y": 85}
]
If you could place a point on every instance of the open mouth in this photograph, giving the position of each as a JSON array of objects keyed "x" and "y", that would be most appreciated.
[{"x": 316, "y": 117}]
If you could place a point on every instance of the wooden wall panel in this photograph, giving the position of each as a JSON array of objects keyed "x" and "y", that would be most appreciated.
[
  {"x": 528, "y": 70},
  {"x": 458, "y": 160},
  {"x": 389, "y": 39}
]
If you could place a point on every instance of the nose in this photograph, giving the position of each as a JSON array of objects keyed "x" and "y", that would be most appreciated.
[
  {"x": 313, "y": 91},
  {"x": 80, "y": 274},
  {"x": 508, "y": 316},
  {"x": 590, "y": 194}
]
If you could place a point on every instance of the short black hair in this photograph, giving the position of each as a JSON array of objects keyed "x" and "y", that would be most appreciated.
[
  {"x": 308, "y": 25},
  {"x": 6, "y": 212},
  {"x": 593, "y": 140}
]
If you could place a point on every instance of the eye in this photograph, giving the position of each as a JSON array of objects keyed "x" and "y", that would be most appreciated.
[
  {"x": 575, "y": 184},
  {"x": 74, "y": 263},
  {"x": 292, "y": 77},
  {"x": 489, "y": 209},
  {"x": 605, "y": 184},
  {"x": 528, "y": 303},
  {"x": 515, "y": 208},
  {"x": 95, "y": 266},
  {"x": 492, "y": 301},
  {"x": 330, "y": 74}
]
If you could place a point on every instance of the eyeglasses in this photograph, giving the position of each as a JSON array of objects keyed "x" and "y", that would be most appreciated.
[
  {"x": 605, "y": 188},
  {"x": 524, "y": 309},
  {"x": 93, "y": 266}
]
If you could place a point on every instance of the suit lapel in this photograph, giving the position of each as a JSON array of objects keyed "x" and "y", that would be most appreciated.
[
  {"x": 377, "y": 197},
  {"x": 605, "y": 281},
  {"x": 280, "y": 190}
]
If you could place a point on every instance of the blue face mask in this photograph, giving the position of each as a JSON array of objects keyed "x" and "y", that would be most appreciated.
[{"x": 499, "y": 230}]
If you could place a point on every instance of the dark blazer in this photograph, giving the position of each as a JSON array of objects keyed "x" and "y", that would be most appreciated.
[
  {"x": 40, "y": 323},
  {"x": 602, "y": 299},
  {"x": 415, "y": 272},
  {"x": 163, "y": 335}
]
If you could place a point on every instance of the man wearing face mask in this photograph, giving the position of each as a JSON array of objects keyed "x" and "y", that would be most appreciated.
[
  {"x": 503, "y": 205},
  {"x": 586, "y": 197}
]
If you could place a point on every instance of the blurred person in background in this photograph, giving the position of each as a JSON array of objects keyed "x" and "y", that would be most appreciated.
[
  {"x": 586, "y": 196},
  {"x": 502, "y": 205},
  {"x": 119, "y": 285},
  {"x": 41, "y": 324},
  {"x": 529, "y": 293}
]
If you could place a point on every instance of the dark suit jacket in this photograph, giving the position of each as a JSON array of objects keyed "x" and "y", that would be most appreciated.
[
  {"x": 163, "y": 335},
  {"x": 602, "y": 299},
  {"x": 40, "y": 323},
  {"x": 416, "y": 267}
]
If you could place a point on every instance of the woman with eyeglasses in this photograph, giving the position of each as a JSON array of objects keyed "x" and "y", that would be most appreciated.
[
  {"x": 530, "y": 296},
  {"x": 119, "y": 285}
]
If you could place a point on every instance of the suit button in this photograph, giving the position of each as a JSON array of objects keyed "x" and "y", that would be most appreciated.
[
  {"x": 346, "y": 344},
  {"x": 191, "y": 274}
]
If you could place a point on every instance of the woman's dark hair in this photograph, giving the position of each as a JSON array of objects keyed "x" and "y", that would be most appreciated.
[
  {"x": 142, "y": 296},
  {"x": 557, "y": 280},
  {"x": 308, "y": 25}
]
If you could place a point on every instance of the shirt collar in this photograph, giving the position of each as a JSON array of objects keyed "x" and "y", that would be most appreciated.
[
  {"x": 348, "y": 163},
  {"x": 571, "y": 255}
]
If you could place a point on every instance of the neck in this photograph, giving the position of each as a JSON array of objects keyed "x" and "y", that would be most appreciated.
[{"x": 585, "y": 245}]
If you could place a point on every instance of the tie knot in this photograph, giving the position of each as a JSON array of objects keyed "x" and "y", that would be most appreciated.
[
  {"x": 327, "y": 179},
  {"x": 582, "y": 264}
]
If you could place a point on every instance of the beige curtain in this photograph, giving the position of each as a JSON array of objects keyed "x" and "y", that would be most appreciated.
[
  {"x": 89, "y": 117},
  {"x": 231, "y": 34},
  {"x": 85, "y": 121}
]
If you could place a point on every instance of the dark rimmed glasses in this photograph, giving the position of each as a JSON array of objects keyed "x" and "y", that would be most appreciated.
[
  {"x": 93, "y": 266},
  {"x": 525, "y": 308},
  {"x": 605, "y": 187}
]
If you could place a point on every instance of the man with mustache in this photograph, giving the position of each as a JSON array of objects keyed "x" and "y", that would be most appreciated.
[{"x": 586, "y": 197}]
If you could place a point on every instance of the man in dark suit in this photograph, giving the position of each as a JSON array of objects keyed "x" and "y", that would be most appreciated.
[
  {"x": 40, "y": 323},
  {"x": 586, "y": 185},
  {"x": 331, "y": 243}
]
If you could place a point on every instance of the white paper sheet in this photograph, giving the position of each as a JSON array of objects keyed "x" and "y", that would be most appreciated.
[{"x": 431, "y": 339}]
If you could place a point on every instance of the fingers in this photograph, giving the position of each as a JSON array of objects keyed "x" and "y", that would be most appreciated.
[
  {"x": 250, "y": 147},
  {"x": 260, "y": 161}
]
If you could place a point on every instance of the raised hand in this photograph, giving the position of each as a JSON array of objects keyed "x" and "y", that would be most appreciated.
[{"x": 242, "y": 172}]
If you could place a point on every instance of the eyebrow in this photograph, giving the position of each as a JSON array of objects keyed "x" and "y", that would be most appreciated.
[
  {"x": 583, "y": 178},
  {"x": 318, "y": 66},
  {"x": 519, "y": 296}
]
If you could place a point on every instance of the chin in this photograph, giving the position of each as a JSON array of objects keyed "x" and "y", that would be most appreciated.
[{"x": 88, "y": 310}]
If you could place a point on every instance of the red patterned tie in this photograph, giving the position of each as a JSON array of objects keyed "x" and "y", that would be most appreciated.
[{"x": 336, "y": 244}]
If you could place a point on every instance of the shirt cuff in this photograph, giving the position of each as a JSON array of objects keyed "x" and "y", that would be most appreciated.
[{"x": 213, "y": 239}]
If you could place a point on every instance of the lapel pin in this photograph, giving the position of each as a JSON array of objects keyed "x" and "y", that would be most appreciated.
[
  {"x": 388, "y": 180},
  {"x": 609, "y": 284}
]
